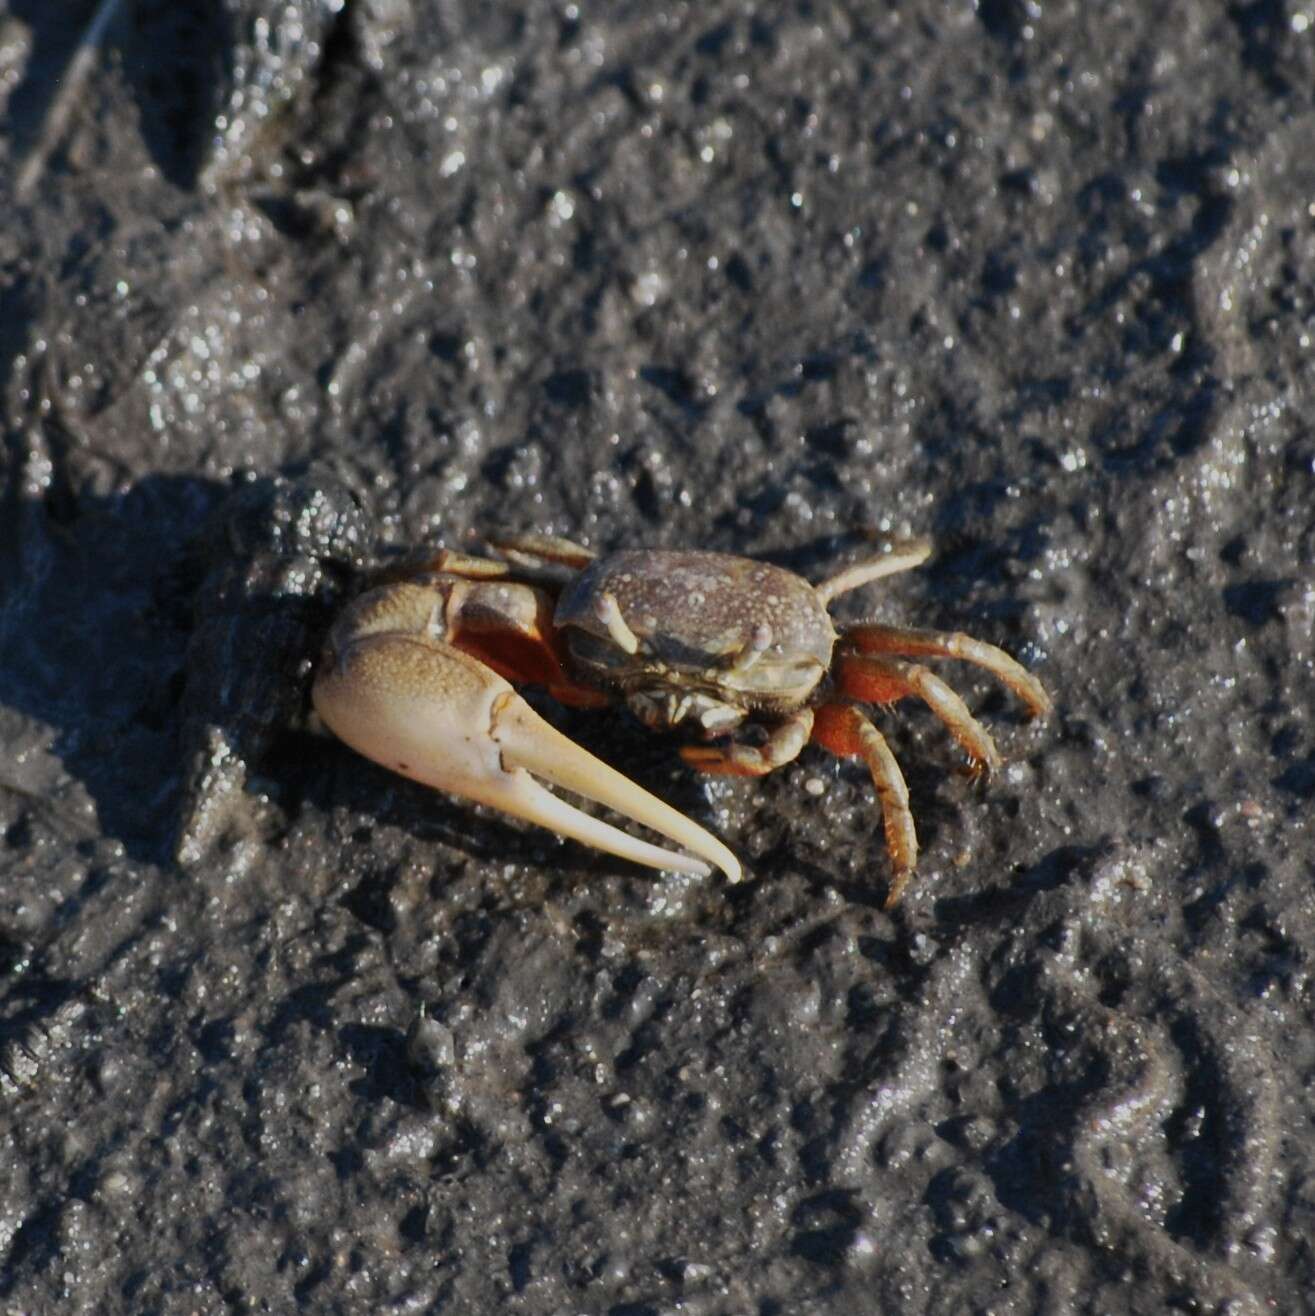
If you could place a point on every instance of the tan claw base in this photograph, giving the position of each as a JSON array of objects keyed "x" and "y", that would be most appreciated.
[{"x": 396, "y": 692}]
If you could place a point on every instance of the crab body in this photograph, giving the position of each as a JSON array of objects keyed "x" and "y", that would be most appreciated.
[
  {"x": 419, "y": 674},
  {"x": 717, "y": 637}
]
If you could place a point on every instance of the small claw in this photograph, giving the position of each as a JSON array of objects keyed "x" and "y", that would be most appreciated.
[{"x": 427, "y": 710}]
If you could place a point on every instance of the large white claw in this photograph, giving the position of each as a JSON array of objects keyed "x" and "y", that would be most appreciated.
[{"x": 427, "y": 710}]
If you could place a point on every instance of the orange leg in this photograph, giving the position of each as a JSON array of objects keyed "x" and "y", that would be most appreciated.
[
  {"x": 508, "y": 627},
  {"x": 736, "y": 760},
  {"x": 848, "y": 732},
  {"x": 883, "y": 680},
  {"x": 907, "y": 642}
]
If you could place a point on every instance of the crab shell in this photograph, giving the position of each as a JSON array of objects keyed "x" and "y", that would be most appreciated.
[{"x": 718, "y": 636}]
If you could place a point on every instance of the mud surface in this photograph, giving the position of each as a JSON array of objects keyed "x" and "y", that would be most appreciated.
[{"x": 1035, "y": 280}]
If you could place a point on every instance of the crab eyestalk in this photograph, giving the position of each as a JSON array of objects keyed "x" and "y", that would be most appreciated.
[{"x": 430, "y": 712}]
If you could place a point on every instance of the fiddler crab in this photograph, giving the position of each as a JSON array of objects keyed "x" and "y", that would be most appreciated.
[{"x": 417, "y": 675}]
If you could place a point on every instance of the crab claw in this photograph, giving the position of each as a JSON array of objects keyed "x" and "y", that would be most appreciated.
[{"x": 424, "y": 709}]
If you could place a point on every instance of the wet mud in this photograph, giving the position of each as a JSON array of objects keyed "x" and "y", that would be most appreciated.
[{"x": 279, "y": 1030}]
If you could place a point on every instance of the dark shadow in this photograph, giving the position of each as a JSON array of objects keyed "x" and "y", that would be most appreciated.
[
  {"x": 176, "y": 59},
  {"x": 389, "y": 1073},
  {"x": 181, "y": 63},
  {"x": 35, "y": 1245},
  {"x": 1032, "y": 1173},
  {"x": 1059, "y": 867},
  {"x": 825, "y": 1226},
  {"x": 677, "y": 386},
  {"x": 1256, "y": 601},
  {"x": 156, "y": 630},
  {"x": 93, "y": 638},
  {"x": 1298, "y": 778},
  {"x": 1264, "y": 29}
]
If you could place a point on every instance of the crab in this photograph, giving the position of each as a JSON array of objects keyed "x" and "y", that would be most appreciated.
[{"x": 419, "y": 674}]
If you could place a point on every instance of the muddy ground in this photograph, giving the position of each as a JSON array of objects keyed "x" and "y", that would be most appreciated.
[{"x": 1035, "y": 280}]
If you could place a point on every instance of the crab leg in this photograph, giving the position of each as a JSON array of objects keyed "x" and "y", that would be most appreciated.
[
  {"x": 534, "y": 550},
  {"x": 784, "y": 744},
  {"x": 904, "y": 555},
  {"x": 909, "y": 642},
  {"x": 425, "y": 709},
  {"x": 883, "y": 680},
  {"x": 848, "y": 733}
]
